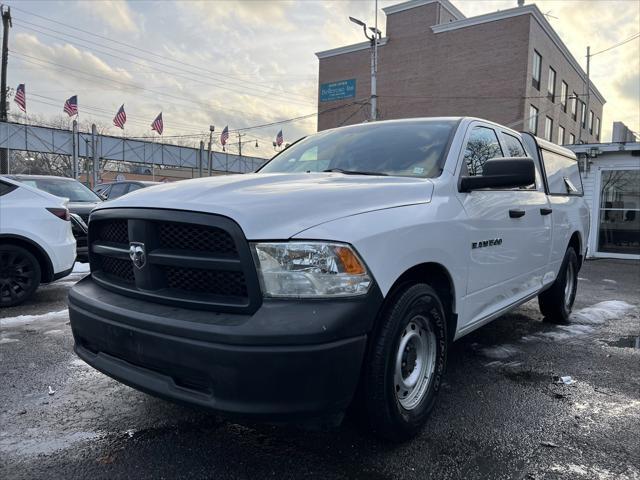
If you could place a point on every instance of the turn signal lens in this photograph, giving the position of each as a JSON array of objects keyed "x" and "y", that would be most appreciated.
[{"x": 350, "y": 262}]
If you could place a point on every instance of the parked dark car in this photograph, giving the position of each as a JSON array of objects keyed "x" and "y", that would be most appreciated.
[
  {"x": 81, "y": 201},
  {"x": 118, "y": 189}
]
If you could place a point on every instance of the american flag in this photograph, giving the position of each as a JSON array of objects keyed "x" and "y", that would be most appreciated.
[
  {"x": 224, "y": 136},
  {"x": 120, "y": 118},
  {"x": 157, "y": 124},
  {"x": 279, "y": 138},
  {"x": 71, "y": 106},
  {"x": 21, "y": 98}
]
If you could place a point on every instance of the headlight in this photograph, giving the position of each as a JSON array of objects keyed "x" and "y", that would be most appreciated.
[{"x": 310, "y": 270}]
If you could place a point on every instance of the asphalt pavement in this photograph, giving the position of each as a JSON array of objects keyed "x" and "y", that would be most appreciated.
[{"x": 501, "y": 411}]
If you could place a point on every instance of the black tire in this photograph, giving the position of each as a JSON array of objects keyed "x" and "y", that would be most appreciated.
[
  {"x": 557, "y": 301},
  {"x": 19, "y": 275},
  {"x": 382, "y": 408}
]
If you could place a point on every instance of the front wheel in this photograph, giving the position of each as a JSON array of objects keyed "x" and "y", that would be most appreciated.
[
  {"x": 557, "y": 301},
  {"x": 405, "y": 364}
]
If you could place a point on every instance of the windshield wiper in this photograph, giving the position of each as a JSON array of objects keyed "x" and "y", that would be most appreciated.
[{"x": 354, "y": 172}]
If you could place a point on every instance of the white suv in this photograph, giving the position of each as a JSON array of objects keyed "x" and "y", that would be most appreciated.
[{"x": 36, "y": 243}]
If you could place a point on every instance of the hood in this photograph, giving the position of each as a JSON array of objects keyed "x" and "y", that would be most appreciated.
[
  {"x": 277, "y": 206},
  {"x": 82, "y": 208}
]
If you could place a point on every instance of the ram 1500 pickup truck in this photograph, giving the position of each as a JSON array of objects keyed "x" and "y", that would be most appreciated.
[{"x": 337, "y": 275}]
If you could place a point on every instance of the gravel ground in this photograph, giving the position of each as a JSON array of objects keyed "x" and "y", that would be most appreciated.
[{"x": 500, "y": 412}]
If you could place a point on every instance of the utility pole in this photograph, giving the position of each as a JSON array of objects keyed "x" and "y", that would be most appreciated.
[
  {"x": 586, "y": 108},
  {"x": 6, "y": 24},
  {"x": 374, "y": 73},
  {"x": 212, "y": 129},
  {"x": 586, "y": 115},
  {"x": 373, "y": 40}
]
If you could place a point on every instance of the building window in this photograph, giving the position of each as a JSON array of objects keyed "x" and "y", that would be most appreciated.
[
  {"x": 590, "y": 122},
  {"x": 583, "y": 114},
  {"x": 598, "y": 128},
  {"x": 572, "y": 139},
  {"x": 564, "y": 92},
  {"x": 533, "y": 119},
  {"x": 537, "y": 69},
  {"x": 574, "y": 106},
  {"x": 551, "y": 85},
  {"x": 560, "y": 135},
  {"x": 548, "y": 128}
]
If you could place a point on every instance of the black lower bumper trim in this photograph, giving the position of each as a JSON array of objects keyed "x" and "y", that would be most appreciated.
[{"x": 279, "y": 382}]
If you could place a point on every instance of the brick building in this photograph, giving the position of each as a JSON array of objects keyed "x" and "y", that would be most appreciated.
[{"x": 509, "y": 66}]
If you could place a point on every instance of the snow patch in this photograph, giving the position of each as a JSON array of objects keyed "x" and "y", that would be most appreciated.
[
  {"x": 80, "y": 268},
  {"x": 600, "y": 312},
  {"x": 35, "y": 441},
  {"x": 499, "y": 352},
  {"x": 608, "y": 281},
  {"x": 26, "y": 319},
  {"x": 8, "y": 340}
]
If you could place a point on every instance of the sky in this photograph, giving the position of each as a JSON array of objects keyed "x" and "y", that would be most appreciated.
[{"x": 249, "y": 63}]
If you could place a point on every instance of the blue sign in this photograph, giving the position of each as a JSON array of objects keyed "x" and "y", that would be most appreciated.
[{"x": 338, "y": 90}]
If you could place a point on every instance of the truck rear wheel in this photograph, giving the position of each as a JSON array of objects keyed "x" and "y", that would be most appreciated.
[
  {"x": 19, "y": 275},
  {"x": 557, "y": 301},
  {"x": 405, "y": 364}
]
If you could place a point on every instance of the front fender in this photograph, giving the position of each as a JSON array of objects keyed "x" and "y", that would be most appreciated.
[{"x": 393, "y": 240}]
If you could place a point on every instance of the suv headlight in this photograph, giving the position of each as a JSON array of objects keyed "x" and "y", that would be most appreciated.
[{"x": 310, "y": 270}]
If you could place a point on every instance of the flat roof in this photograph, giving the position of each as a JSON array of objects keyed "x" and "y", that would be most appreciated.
[
  {"x": 605, "y": 147},
  {"x": 446, "y": 4}
]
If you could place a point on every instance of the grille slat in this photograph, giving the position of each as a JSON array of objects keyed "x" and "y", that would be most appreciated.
[
  {"x": 117, "y": 267},
  {"x": 189, "y": 282},
  {"x": 115, "y": 231},
  {"x": 216, "y": 282},
  {"x": 199, "y": 238}
]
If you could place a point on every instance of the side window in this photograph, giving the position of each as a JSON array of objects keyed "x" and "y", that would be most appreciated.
[
  {"x": 514, "y": 146},
  {"x": 563, "y": 176},
  {"x": 117, "y": 190},
  {"x": 482, "y": 145},
  {"x": 133, "y": 187},
  {"x": 6, "y": 188}
]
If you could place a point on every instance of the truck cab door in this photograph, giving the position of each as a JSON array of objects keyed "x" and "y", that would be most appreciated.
[{"x": 508, "y": 231}]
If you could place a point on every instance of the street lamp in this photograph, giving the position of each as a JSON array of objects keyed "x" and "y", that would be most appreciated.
[{"x": 373, "y": 40}]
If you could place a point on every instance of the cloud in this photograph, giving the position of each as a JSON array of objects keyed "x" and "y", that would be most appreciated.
[
  {"x": 115, "y": 13},
  {"x": 69, "y": 56}
]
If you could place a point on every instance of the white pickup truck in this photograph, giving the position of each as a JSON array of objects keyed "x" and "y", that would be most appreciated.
[{"x": 336, "y": 275}]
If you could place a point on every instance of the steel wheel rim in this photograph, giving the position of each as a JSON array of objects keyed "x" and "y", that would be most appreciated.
[
  {"x": 415, "y": 362},
  {"x": 16, "y": 276},
  {"x": 568, "y": 287}
]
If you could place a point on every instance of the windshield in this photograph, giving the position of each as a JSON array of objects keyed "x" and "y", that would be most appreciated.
[
  {"x": 407, "y": 148},
  {"x": 74, "y": 191}
]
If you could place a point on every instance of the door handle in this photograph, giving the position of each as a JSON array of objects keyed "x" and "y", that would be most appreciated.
[
  {"x": 516, "y": 213},
  {"x": 545, "y": 211}
]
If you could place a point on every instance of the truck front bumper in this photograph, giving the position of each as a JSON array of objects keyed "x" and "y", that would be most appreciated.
[{"x": 290, "y": 359}]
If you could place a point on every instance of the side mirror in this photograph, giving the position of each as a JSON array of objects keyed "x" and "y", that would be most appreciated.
[{"x": 501, "y": 173}]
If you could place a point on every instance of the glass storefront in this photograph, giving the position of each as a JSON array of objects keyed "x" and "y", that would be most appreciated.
[{"x": 619, "y": 215}]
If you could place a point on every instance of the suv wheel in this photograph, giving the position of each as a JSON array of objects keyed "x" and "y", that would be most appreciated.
[
  {"x": 557, "y": 301},
  {"x": 19, "y": 275},
  {"x": 405, "y": 364}
]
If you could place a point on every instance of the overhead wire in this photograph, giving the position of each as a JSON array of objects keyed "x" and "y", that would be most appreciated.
[{"x": 189, "y": 75}]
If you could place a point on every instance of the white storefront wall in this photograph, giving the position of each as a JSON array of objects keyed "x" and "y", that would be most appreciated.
[{"x": 609, "y": 159}]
